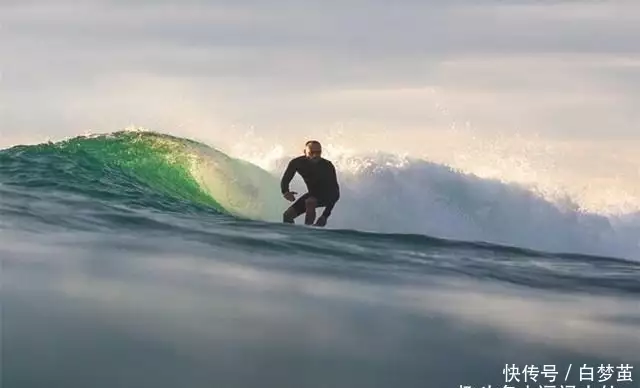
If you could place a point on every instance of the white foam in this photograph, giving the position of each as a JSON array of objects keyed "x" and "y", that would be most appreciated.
[{"x": 398, "y": 194}]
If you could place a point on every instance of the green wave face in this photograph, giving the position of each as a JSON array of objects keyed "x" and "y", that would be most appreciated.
[{"x": 146, "y": 169}]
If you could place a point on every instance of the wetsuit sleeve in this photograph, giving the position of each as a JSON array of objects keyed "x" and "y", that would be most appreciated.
[
  {"x": 288, "y": 176},
  {"x": 334, "y": 190}
]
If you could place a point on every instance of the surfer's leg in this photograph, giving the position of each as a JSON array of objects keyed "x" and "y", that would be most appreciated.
[
  {"x": 295, "y": 210},
  {"x": 310, "y": 209},
  {"x": 289, "y": 216}
]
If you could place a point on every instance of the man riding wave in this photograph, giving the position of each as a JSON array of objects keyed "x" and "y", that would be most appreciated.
[{"x": 323, "y": 190}]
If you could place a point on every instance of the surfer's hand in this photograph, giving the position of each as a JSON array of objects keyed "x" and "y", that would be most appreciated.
[
  {"x": 290, "y": 196},
  {"x": 321, "y": 221}
]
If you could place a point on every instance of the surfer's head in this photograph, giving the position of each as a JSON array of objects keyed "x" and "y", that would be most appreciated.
[{"x": 313, "y": 150}]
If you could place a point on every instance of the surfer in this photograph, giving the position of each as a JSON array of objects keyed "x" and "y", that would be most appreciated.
[{"x": 323, "y": 190}]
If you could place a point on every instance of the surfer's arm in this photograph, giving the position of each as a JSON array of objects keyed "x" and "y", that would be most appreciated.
[
  {"x": 333, "y": 190},
  {"x": 288, "y": 176}
]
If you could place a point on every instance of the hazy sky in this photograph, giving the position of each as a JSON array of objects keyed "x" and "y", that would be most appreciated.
[
  {"x": 539, "y": 92},
  {"x": 565, "y": 70}
]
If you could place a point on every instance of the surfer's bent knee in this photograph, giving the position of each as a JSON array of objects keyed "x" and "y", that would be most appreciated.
[{"x": 311, "y": 202}]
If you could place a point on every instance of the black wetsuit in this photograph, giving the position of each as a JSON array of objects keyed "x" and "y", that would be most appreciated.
[{"x": 320, "y": 178}]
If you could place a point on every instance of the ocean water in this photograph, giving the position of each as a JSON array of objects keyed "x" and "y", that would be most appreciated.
[{"x": 138, "y": 259}]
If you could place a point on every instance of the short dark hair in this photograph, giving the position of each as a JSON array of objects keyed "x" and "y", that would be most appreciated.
[{"x": 312, "y": 142}]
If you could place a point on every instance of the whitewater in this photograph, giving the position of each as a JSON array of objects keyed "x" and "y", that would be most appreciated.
[{"x": 143, "y": 259}]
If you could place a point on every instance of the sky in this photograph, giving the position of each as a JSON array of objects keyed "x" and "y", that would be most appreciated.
[{"x": 473, "y": 84}]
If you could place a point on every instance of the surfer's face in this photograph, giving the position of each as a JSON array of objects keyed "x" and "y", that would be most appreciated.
[{"x": 313, "y": 152}]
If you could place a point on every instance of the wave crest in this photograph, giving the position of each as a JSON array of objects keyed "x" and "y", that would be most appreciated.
[{"x": 398, "y": 194}]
